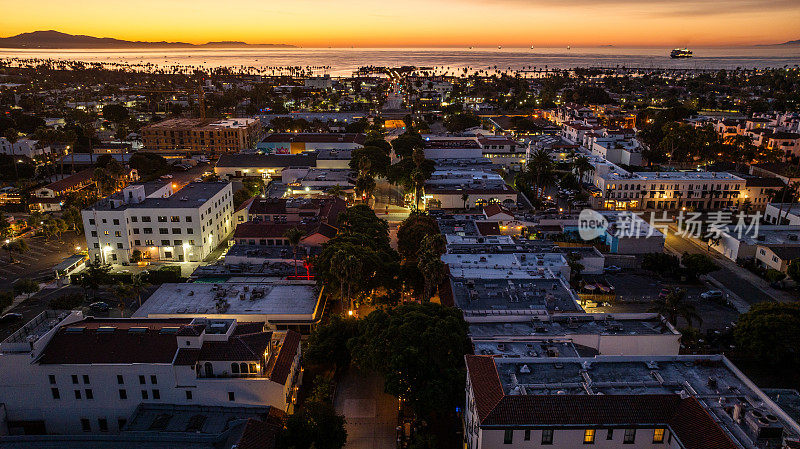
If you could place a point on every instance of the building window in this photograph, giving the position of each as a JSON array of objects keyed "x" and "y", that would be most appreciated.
[
  {"x": 527, "y": 435},
  {"x": 144, "y": 394},
  {"x": 123, "y": 394},
  {"x": 175, "y": 219},
  {"x": 658, "y": 436},
  {"x": 89, "y": 393},
  {"x": 508, "y": 438},
  {"x": 52, "y": 378},
  {"x": 121, "y": 423},
  {"x": 163, "y": 231},
  {"x": 188, "y": 219},
  {"x": 77, "y": 394},
  {"x": 630, "y": 436},
  {"x": 102, "y": 423},
  {"x": 145, "y": 219},
  {"x": 588, "y": 436},
  {"x": 165, "y": 243},
  {"x": 55, "y": 393},
  {"x": 156, "y": 394},
  {"x": 86, "y": 425},
  {"x": 188, "y": 395},
  {"x": 547, "y": 436},
  {"x": 610, "y": 434},
  {"x": 120, "y": 380},
  {"x": 176, "y": 230},
  {"x": 162, "y": 219},
  {"x": 231, "y": 396},
  {"x": 116, "y": 221}
]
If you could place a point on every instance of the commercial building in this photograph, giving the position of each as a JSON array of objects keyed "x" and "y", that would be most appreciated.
[
  {"x": 267, "y": 166},
  {"x": 741, "y": 242},
  {"x": 162, "y": 223},
  {"x": 65, "y": 373},
  {"x": 685, "y": 401},
  {"x": 573, "y": 335},
  {"x": 202, "y": 135},
  {"x": 50, "y": 198},
  {"x": 156, "y": 426},
  {"x": 279, "y": 304},
  {"x": 23, "y": 147},
  {"x": 452, "y": 189},
  {"x": 669, "y": 190},
  {"x": 783, "y": 213},
  {"x": 290, "y": 143}
]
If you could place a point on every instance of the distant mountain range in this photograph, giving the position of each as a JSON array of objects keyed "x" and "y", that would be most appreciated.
[
  {"x": 56, "y": 40},
  {"x": 795, "y": 43}
]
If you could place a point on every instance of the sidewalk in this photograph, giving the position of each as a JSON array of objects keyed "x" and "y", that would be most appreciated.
[{"x": 370, "y": 414}]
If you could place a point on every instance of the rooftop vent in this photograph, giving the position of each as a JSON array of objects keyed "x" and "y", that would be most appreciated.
[{"x": 169, "y": 330}]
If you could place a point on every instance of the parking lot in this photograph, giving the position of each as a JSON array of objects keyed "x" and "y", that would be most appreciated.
[
  {"x": 37, "y": 262},
  {"x": 637, "y": 290}
]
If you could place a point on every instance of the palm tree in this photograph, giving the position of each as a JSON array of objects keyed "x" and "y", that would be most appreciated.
[
  {"x": 12, "y": 136},
  {"x": 335, "y": 191},
  {"x": 294, "y": 235},
  {"x": 434, "y": 271},
  {"x": 582, "y": 165},
  {"x": 365, "y": 185},
  {"x": 674, "y": 306},
  {"x": 465, "y": 198},
  {"x": 16, "y": 246},
  {"x": 132, "y": 290},
  {"x": 539, "y": 170}
]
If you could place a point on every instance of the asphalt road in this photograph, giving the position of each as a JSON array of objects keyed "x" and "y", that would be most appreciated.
[
  {"x": 37, "y": 262},
  {"x": 730, "y": 276}
]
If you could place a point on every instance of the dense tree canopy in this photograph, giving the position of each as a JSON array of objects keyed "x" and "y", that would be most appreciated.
[
  {"x": 419, "y": 349},
  {"x": 770, "y": 333}
]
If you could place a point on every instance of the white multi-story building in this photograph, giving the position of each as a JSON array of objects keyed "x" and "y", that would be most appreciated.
[
  {"x": 65, "y": 373},
  {"x": 23, "y": 147},
  {"x": 674, "y": 402},
  {"x": 669, "y": 190},
  {"x": 162, "y": 223}
]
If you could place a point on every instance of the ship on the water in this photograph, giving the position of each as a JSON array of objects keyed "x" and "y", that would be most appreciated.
[{"x": 679, "y": 53}]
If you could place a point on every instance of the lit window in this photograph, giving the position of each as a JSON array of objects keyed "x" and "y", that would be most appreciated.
[
  {"x": 588, "y": 436},
  {"x": 658, "y": 436}
]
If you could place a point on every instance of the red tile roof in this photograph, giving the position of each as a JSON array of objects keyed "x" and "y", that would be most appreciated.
[
  {"x": 494, "y": 209},
  {"x": 72, "y": 181},
  {"x": 259, "y": 435},
  {"x": 283, "y": 364},
  {"x": 686, "y": 417},
  {"x": 118, "y": 346}
]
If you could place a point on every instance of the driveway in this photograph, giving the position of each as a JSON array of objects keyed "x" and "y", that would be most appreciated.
[{"x": 371, "y": 414}]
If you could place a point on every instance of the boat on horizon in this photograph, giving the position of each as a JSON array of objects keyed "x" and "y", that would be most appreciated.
[{"x": 680, "y": 53}]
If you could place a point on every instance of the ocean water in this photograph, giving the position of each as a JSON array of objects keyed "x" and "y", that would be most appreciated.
[{"x": 343, "y": 61}]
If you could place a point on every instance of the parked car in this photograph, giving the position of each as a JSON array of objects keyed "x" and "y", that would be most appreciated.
[
  {"x": 10, "y": 317},
  {"x": 712, "y": 294},
  {"x": 99, "y": 306}
]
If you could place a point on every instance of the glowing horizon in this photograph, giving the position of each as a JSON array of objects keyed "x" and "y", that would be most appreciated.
[{"x": 416, "y": 23}]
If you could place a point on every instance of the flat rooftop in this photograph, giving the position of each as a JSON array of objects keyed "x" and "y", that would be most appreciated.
[
  {"x": 569, "y": 324},
  {"x": 244, "y": 296},
  {"x": 526, "y": 296},
  {"x": 634, "y": 384},
  {"x": 671, "y": 176},
  {"x": 191, "y": 196}
]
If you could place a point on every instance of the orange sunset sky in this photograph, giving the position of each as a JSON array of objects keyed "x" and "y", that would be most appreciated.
[{"x": 410, "y": 23}]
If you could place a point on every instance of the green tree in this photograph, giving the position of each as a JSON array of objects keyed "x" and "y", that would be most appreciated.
[
  {"x": 116, "y": 113},
  {"x": 294, "y": 236},
  {"x": 132, "y": 290},
  {"x": 18, "y": 246},
  {"x": 419, "y": 349},
  {"x": 370, "y": 161},
  {"x": 364, "y": 187},
  {"x": 93, "y": 277},
  {"x": 412, "y": 231},
  {"x": 6, "y": 300},
  {"x": 26, "y": 287},
  {"x": 327, "y": 343},
  {"x": 674, "y": 306},
  {"x": 768, "y": 334},
  {"x": 315, "y": 426},
  {"x": 793, "y": 271},
  {"x": 698, "y": 265},
  {"x": 461, "y": 121}
]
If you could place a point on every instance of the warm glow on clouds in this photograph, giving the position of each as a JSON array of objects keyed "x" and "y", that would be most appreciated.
[{"x": 416, "y": 22}]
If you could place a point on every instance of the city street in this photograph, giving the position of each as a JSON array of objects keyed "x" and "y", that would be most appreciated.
[
  {"x": 42, "y": 255},
  {"x": 733, "y": 278}
]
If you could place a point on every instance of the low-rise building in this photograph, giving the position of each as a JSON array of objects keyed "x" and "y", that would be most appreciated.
[
  {"x": 777, "y": 257},
  {"x": 574, "y": 335},
  {"x": 278, "y": 303},
  {"x": 50, "y": 198},
  {"x": 683, "y": 401},
  {"x": 783, "y": 214},
  {"x": 67, "y": 374},
  {"x": 160, "y": 222},
  {"x": 23, "y": 147},
  {"x": 295, "y": 143},
  {"x": 453, "y": 189},
  {"x": 202, "y": 135},
  {"x": 267, "y": 166}
]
